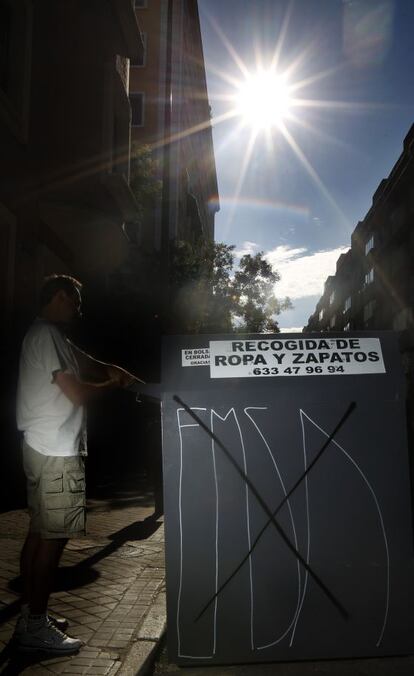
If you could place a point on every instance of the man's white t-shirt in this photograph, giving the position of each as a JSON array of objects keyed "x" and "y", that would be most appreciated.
[{"x": 51, "y": 423}]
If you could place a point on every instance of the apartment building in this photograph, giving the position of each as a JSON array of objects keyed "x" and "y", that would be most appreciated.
[
  {"x": 65, "y": 135},
  {"x": 373, "y": 287},
  {"x": 171, "y": 113},
  {"x": 65, "y": 125}
]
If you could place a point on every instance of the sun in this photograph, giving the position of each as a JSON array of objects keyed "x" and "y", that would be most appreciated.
[
  {"x": 263, "y": 100},
  {"x": 271, "y": 99}
]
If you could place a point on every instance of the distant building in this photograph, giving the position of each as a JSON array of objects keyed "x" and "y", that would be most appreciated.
[
  {"x": 171, "y": 113},
  {"x": 373, "y": 287}
]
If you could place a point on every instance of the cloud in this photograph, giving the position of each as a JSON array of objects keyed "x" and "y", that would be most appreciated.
[
  {"x": 247, "y": 248},
  {"x": 291, "y": 329},
  {"x": 302, "y": 273}
]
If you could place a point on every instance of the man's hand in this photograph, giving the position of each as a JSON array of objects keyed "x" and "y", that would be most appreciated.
[
  {"x": 99, "y": 371},
  {"x": 123, "y": 378}
]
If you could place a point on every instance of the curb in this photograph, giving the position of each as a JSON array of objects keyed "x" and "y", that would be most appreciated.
[{"x": 141, "y": 655}]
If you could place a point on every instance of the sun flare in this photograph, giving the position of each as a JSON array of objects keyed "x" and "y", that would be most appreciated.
[
  {"x": 263, "y": 100},
  {"x": 272, "y": 99}
]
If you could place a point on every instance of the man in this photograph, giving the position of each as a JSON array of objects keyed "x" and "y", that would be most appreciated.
[{"x": 56, "y": 380}]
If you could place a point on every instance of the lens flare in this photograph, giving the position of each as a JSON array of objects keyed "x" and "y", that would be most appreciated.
[{"x": 263, "y": 100}]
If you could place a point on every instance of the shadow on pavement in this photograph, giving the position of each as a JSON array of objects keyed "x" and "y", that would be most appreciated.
[
  {"x": 66, "y": 578},
  {"x": 12, "y": 662},
  {"x": 81, "y": 574},
  {"x": 8, "y": 612},
  {"x": 140, "y": 530}
]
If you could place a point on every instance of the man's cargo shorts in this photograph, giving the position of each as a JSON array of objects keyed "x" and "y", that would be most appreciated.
[{"x": 55, "y": 494}]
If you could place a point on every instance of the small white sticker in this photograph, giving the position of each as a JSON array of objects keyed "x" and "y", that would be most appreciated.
[
  {"x": 199, "y": 356},
  {"x": 295, "y": 357}
]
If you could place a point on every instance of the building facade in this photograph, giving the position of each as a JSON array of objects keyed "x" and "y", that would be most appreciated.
[
  {"x": 65, "y": 126},
  {"x": 373, "y": 287},
  {"x": 65, "y": 137},
  {"x": 77, "y": 81},
  {"x": 171, "y": 113}
]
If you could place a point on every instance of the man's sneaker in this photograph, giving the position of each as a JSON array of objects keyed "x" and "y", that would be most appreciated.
[
  {"x": 60, "y": 623},
  {"x": 20, "y": 628},
  {"x": 48, "y": 639}
]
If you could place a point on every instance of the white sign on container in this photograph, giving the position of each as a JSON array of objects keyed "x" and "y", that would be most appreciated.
[
  {"x": 195, "y": 357},
  {"x": 295, "y": 357}
]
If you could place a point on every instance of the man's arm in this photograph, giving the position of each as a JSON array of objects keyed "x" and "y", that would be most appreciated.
[
  {"x": 98, "y": 371},
  {"x": 97, "y": 377},
  {"x": 80, "y": 392},
  {"x": 91, "y": 370}
]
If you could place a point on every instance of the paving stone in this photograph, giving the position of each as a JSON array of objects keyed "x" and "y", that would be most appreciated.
[
  {"x": 117, "y": 643},
  {"x": 82, "y": 661},
  {"x": 99, "y": 670},
  {"x": 88, "y": 652},
  {"x": 128, "y": 625},
  {"x": 124, "y": 634},
  {"x": 103, "y": 636},
  {"x": 102, "y": 613},
  {"x": 53, "y": 669}
]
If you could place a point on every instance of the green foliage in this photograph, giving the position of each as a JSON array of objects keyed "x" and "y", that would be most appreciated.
[
  {"x": 257, "y": 306},
  {"x": 209, "y": 296},
  {"x": 200, "y": 280},
  {"x": 207, "y": 293},
  {"x": 144, "y": 181}
]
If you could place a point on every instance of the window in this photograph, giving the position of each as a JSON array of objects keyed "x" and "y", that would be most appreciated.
[
  {"x": 141, "y": 4},
  {"x": 348, "y": 303},
  {"x": 321, "y": 314},
  {"x": 332, "y": 298},
  {"x": 369, "y": 310},
  {"x": 369, "y": 245},
  {"x": 137, "y": 109},
  {"x": 347, "y": 327},
  {"x": 5, "y": 36},
  {"x": 333, "y": 321},
  {"x": 369, "y": 277},
  {"x": 143, "y": 61}
]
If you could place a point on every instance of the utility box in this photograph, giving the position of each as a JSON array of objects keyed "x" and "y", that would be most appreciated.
[{"x": 287, "y": 498}]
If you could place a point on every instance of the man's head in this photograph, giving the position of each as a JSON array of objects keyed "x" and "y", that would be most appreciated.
[{"x": 60, "y": 299}]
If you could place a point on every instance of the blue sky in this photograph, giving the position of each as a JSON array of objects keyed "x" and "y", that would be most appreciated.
[{"x": 298, "y": 195}]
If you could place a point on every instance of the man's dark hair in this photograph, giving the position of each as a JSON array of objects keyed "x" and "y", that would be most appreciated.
[{"x": 55, "y": 283}]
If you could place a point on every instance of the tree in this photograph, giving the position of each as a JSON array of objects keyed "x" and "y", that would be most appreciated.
[
  {"x": 253, "y": 287},
  {"x": 209, "y": 296},
  {"x": 200, "y": 286},
  {"x": 137, "y": 283},
  {"x": 146, "y": 186}
]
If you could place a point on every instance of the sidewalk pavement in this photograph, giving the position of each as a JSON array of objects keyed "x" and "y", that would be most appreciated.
[{"x": 110, "y": 586}]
